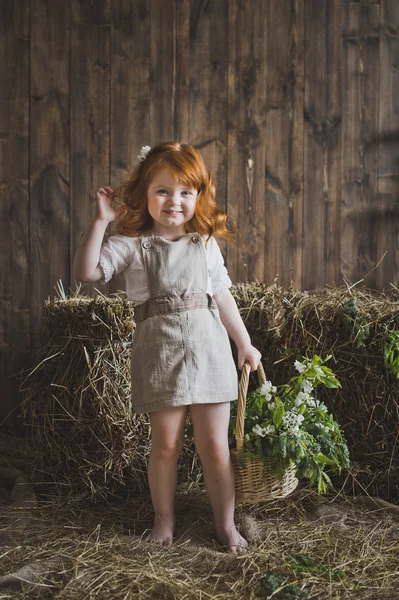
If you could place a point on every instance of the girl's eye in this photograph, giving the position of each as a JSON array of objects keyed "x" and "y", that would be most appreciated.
[{"x": 187, "y": 192}]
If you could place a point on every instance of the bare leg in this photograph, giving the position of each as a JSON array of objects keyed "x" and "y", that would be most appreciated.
[
  {"x": 211, "y": 423},
  {"x": 167, "y": 434}
]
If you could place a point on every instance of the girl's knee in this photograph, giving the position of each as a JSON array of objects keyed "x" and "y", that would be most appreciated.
[
  {"x": 168, "y": 450},
  {"x": 213, "y": 449}
]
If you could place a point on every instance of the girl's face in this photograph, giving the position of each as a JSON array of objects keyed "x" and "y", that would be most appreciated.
[{"x": 171, "y": 204}]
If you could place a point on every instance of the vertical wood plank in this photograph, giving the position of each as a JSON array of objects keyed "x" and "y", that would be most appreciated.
[
  {"x": 322, "y": 147},
  {"x": 284, "y": 147},
  {"x": 181, "y": 125},
  {"x": 14, "y": 201},
  {"x": 359, "y": 157},
  {"x": 247, "y": 138},
  {"x": 89, "y": 101},
  {"x": 130, "y": 92},
  {"x": 208, "y": 89},
  {"x": 388, "y": 175},
  {"x": 162, "y": 71},
  {"x": 49, "y": 153}
]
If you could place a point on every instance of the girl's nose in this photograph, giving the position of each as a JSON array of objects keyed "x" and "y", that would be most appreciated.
[{"x": 176, "y": 199}]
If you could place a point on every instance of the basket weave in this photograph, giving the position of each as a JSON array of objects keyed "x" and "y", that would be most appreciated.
[{"x": 254, "y": 480}]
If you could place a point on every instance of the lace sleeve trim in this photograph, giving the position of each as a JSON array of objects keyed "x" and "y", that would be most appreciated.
[
  {"x": 222, "y": 285},
  {"x": 106, "y": 269}
]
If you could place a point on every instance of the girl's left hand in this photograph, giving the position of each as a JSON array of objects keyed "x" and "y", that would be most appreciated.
[{"x": 250, "y": 354}]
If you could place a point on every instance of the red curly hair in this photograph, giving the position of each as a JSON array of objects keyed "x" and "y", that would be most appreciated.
[{"x": 187, "y": 166}]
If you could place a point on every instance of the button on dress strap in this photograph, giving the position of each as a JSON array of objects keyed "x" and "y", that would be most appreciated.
[{"x": 146, "y": 244}]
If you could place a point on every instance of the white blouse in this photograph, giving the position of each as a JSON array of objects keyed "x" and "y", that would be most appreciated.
[{"x": 122, "y": 253}]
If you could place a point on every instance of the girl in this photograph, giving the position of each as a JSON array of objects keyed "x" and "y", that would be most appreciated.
[{"x": 184, "y": 312}]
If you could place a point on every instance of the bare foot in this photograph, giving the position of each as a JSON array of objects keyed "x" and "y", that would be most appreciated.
[
  {"x": 232, "y": 541},
  {"x": 162, "y": 532}
]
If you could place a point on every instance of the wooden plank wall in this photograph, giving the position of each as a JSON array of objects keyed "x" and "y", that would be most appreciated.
[{"x": 293, "y": 103}]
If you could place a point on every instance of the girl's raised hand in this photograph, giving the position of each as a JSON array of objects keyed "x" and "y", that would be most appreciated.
[{"x": 104, "y": 212}]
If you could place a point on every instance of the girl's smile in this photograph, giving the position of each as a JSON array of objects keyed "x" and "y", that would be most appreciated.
[
  {"x": 171, "y": 204},
  {"x": 173, "y": 213}
]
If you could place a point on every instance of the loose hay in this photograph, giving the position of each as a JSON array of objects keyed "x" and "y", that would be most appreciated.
[{"x": 77, "y": 550}]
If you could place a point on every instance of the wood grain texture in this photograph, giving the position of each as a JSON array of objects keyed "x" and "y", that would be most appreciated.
[
  {"x": 14, "y": 202},
  {"x": 181, "y": 114},
  {"x": 247, "y": 139},
  {"x": 49, "y": 153},
  {"x": 208, "y": 89},
  {"x": 284, "y": 142},
  {"x": 89, "y": 104},
  {"x": 294, "y": 106},
  {"x": 162, "y": 71},
  {"x": 388, "y": 172},
  {"x": 360, "y": 85},
  {"x": 129, "y": 93},
  {"x": 322, "y": 147}
]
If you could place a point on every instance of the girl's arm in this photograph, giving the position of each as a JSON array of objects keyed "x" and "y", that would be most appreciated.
[
  {"x": 231, "y": 319},
  {"x": 85, "y": 266}
]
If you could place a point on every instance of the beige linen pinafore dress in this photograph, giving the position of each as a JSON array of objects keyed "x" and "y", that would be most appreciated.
[{"x": 181, "y": 351}]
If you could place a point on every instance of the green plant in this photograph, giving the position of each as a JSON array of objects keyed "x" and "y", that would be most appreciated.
[
  {"x": 279, "y": 586},
  {"x": 391, "y": 352},
  {"x": 356, "y": 324},
  {"x": 287, "y": 424},
  {"x": 305, "y": 563}
]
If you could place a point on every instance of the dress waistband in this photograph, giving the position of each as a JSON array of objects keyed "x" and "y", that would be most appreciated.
[{"x": 171, "y": 304}]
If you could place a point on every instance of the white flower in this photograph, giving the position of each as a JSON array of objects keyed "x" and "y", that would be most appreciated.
[
  {"x": 293, "y": 421},
  {"x": 322, "y": 426},
  {"x": 143, "y": 153},
  {"x": 263, "y": 431},
  {"x": 299, "y": 366},
  {"x": 271, "y": 405},
  {"x": 288, "y": 419},
  {"x": 304, "y": 398},
  {"x": 301, "y": 398},
  {"x": 307, "y": 386},
  {"x": 267, "y": 387},
  {"x": 259, "y": 430},
  {"x": 321, "y": 406}
]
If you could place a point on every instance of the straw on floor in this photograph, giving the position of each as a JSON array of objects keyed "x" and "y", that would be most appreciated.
[{"x": 302, "y": 546}]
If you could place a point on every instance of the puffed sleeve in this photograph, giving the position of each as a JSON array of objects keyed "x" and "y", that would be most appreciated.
[
  {"x": 115, "y": 256},
  {"x": 218, "y": 273}
]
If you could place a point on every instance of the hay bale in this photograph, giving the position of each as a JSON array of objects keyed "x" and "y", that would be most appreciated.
[
  {"x": 85, "y": 435},
  {"x": 354, "y": 326},
  {"x": 78, "y": 398}
]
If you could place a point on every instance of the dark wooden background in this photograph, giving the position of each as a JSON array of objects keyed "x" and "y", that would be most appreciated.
[{"x": 293, "y": 103}]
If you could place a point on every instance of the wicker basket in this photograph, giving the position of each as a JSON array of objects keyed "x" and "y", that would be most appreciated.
[{"x": 254, "y": 481}]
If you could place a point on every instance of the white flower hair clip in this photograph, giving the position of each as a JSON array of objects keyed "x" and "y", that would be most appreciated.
[{"x": 143, "y": 153}]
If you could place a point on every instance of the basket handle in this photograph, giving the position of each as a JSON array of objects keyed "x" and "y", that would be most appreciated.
[{"x": 242, "y": 399}]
